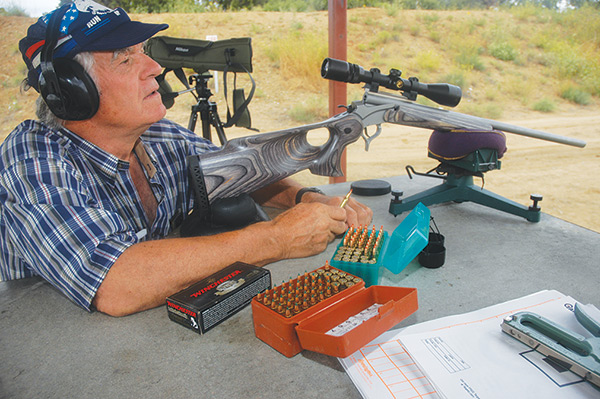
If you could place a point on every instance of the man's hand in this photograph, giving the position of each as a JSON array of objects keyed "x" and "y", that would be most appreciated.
[
  {"x": 356, "y": 213},
  {"x": 307, "y": 228},
  {"x": 282, "y": 195}
]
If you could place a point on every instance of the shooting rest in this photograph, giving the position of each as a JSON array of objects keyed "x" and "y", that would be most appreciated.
[{"x": 464, "y": 154}]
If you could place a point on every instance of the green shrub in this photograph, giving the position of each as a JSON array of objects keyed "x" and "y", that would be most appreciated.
[
  {"x": 467, "y": 50},
  {"x": 544, "y": 105},
  {"x": 576, "y": 95},
  {"x": 428, "y": 60},
  {"x": 409, "y": 4},
  {"x": 503, "y": 51},
  {"x": 385, "y": 36},
  {"x": 294, "y": 5},
  {"x": 392, "y": 8},
  {"x": 13, "y": 11},
  {"x": 431, "y": 18},
  {"x": 435, "y": 36},
  {"x": 470, "y": 60}
]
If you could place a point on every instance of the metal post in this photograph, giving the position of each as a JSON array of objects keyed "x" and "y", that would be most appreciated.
[{"x": 337, "y": 49}]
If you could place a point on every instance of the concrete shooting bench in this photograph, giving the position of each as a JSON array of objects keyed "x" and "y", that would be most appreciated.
[{"x": 51, "y": 348}]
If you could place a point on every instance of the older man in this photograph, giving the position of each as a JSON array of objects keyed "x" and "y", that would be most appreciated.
[{"x": 87, "y": 191}]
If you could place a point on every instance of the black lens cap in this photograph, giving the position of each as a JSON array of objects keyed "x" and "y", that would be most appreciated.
[
  {"x": 371, "y": 188},
  {"x": 434, "y": 254}
]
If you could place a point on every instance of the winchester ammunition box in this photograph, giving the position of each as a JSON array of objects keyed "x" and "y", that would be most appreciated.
[{"x": 208, "y": 302}]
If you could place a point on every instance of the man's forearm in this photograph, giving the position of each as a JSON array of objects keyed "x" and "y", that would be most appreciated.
[
  {"x": 146, "y": 273},
  {"x": 278, "y": 195}
]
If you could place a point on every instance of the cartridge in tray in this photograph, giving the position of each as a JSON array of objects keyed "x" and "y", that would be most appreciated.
[
  {"x": 365, "y": 252},
  {"x": 306, "y": 291},
  {"x": 360, "y": 245}
]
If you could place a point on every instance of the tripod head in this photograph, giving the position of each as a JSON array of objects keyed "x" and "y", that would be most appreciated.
[{"x": 200, "y": 83}]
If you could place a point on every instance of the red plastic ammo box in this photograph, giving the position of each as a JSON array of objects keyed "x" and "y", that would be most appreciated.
[{"x": 318, "y": 312}]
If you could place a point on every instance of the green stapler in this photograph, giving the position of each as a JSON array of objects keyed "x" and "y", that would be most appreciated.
[{"x": 580, "y": 355}]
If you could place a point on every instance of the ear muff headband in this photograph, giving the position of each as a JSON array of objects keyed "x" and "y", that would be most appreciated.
[
  {"x": 48, "y": 81},
  {"x": 67, "y": 89}
]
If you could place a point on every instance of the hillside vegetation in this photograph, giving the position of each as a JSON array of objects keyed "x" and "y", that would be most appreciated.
[
  {"x": 519, "y": 60},
  {"x": 513, "y": 64},
  {"x": 522, "y": 60}
]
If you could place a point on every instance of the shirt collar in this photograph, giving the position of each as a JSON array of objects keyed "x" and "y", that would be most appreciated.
[{"x": 105, "y": 162}]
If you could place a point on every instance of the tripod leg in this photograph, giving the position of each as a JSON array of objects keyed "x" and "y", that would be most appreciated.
[
  {"x": 205, "y": 115},
  {"x": 192, "y": 121},
  {"x": 216, "y": 121}
]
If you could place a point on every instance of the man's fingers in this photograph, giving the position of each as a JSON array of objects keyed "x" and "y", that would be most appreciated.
[
  {"x": 338, "y": 228},
  {"x": 357, "y": 213}
]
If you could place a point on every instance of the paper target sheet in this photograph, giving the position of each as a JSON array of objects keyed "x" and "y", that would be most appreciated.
[{"x": 468, "y": 356}]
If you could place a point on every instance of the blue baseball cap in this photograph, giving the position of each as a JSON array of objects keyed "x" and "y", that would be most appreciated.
[{"x": 86, "y": 26}]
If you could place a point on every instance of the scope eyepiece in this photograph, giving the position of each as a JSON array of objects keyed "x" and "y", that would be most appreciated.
[{"x": 342, "y": 71}]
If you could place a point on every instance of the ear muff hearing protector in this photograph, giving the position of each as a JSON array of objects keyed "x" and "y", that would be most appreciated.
[{"x": 65, "y": 86}]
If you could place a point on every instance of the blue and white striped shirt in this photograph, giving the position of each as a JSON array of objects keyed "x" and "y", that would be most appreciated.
[{"x": 68, "y": 209}]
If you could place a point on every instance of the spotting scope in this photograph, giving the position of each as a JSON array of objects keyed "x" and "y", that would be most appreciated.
[{"x": 342, "y": 71}]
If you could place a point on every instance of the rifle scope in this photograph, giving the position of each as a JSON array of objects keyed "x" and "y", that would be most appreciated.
[{"x": 342, "y": 71}]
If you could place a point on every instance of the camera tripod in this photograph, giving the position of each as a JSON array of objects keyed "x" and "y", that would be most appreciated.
[{"x": 207, "y": 109}]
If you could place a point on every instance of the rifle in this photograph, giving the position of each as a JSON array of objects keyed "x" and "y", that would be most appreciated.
[{"x": 245, "y": 164}]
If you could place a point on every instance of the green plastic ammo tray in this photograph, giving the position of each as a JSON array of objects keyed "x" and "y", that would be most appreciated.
[{"x": 397, "y": 251}]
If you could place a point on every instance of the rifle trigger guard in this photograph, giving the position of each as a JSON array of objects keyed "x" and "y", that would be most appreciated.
[{"x": 368, "y": 138}]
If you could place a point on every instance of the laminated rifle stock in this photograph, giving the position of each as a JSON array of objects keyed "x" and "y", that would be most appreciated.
[{"x": 246, "y": 164}]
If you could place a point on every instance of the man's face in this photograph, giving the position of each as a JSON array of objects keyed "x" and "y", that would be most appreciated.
[{"x": 128, "y": 89}]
